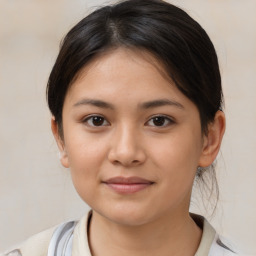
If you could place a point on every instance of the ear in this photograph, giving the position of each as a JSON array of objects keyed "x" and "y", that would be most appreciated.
[
  {"x": 212, "y": 141},
  {"x": 60, "y": 143}
]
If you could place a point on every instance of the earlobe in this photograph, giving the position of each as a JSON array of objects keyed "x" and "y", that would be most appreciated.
[
  {"x": 213, "y": 139},
  {"x": 60, "y": 143}
]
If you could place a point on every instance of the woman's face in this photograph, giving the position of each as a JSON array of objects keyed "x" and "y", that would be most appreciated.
[{"x": 132, "y": 140}]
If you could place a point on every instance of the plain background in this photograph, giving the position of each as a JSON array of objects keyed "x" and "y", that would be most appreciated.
[{"x": 36, "y": 192}]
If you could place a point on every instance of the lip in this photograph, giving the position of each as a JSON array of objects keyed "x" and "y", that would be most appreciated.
[{"x": 128, "y": 185}]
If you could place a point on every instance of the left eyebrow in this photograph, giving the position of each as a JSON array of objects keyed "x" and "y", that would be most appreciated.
[{"x": 160, "y": 103}]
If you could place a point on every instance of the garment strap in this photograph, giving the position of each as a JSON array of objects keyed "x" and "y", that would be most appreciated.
[{"x": 61, "y": 241}]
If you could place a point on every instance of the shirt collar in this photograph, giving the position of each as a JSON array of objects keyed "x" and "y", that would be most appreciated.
[{"x": 81, "y": 243}]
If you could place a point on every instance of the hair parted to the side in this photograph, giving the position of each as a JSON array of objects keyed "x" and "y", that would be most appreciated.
[{"x": 165, "y": 31}]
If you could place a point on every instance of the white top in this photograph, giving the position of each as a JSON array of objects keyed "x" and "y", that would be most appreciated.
[{"x": 70, "y": 239}]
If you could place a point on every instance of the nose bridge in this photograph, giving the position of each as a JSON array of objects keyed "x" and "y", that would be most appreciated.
[
  {"x": 124, "y": 141},
  {"x": 126, "y": 145}
]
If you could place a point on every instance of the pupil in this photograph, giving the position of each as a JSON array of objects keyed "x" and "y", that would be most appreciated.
[
  {"x": 159, "y": 121},
  {"x": 97, "y": 120}
]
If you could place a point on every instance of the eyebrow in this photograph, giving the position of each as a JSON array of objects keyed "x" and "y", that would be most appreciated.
[
  {"x": 144, "y": 105},
  {"x": 94, "y": 102},
  {"x": 160, "y": 103}
]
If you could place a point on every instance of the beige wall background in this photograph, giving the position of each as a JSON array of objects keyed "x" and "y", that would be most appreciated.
[{"x": 36, "y": 192}]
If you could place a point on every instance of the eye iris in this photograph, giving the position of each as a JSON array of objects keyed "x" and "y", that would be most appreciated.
[
  {"x": 97, "y": 120},
  {"x": 159, "y": 121}
]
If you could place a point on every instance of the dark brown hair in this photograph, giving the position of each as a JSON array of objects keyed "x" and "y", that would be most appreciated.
[{"x": 160, "y": 28}]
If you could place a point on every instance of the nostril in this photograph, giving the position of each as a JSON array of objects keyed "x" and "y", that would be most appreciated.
[
  {"x": 116, "y": 162},
  {"x": 126, "y": 163}
]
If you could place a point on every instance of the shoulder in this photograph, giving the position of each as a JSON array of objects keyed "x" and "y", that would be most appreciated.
[
  {"x": 36, "y": 245},
  {"x": 56, "y": 239},
  {"x": 223, "y": 247},
  {"x": 211, "y": 243}
]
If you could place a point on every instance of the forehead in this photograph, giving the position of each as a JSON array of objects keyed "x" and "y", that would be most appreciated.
[{"x": 122, "y": 68}]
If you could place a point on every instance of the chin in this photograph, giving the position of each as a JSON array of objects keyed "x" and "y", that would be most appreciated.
[
  {"x": 129, "y": 220},
  {"x": 128, "y": 216}
]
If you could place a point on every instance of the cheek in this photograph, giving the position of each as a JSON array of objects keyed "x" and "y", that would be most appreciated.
[
  {"x": 83, "y": 147},
  {"x": 85, "y": 156},
  {"x": 177, "y": 158},
  {"x": 85, "y": 168},
  {"x": 177, "y": 169}
]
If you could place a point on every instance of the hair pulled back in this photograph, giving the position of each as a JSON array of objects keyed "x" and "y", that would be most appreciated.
[{"x": 160, "y": 28}]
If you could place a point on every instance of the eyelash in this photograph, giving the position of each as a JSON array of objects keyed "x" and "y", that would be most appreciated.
[{"x": 164, "y": 121}]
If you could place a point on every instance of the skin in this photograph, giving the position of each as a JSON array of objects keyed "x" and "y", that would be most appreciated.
[{"x": 130, "y": 142}]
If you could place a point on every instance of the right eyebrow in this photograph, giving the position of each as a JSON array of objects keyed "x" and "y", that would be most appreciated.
[{"x": 94, "y": 102}]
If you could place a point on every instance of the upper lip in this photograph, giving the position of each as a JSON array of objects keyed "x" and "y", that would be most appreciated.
[{"x": 127, "y": 180}]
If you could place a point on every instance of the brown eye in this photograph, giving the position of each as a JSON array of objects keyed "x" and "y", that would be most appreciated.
[
  {"x": 160, "y": 121},
  {"x": 96, "y": 121}
]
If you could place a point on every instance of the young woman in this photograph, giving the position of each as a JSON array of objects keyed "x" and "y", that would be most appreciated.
[{"x": 136, "y": 100}]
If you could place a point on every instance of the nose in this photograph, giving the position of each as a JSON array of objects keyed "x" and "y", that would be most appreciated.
[{"x": 126, "y": 148}]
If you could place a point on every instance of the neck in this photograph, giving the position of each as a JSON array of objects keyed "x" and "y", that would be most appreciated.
[{"x": 169, "y": 235}]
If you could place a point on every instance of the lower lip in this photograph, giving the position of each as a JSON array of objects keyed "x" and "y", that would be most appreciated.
[{"x": 128, "y": 188}]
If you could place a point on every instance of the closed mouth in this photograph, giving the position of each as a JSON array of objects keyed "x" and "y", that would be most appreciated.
[{"x": 128, "y": 185}]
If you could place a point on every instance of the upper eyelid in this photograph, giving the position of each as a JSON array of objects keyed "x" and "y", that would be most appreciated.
[
  {"x": 92, "y": 115},
  {"x": 161, "y": 115}
]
